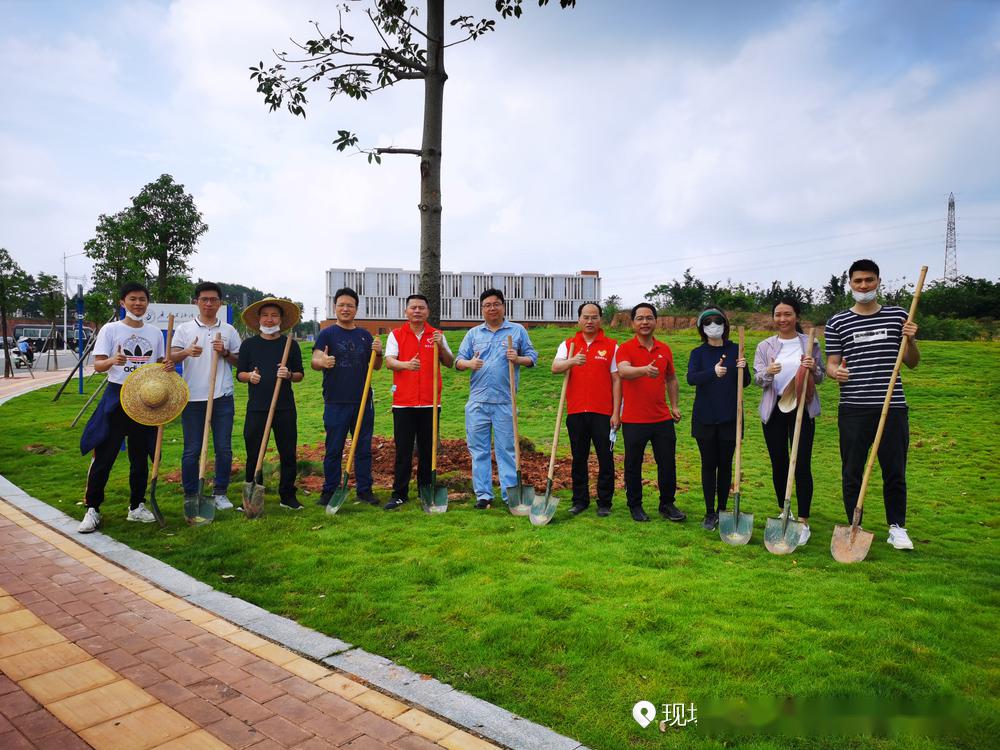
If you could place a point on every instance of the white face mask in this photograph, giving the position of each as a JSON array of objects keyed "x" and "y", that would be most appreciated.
[
  {"x": 270, "y": 330},
  {"x": 714, "y": 330},
  {"x": 136, "y": 318},
  {"x": 864, "y": 297}
]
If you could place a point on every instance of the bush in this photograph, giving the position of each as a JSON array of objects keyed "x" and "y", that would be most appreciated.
[{"x": 934, "y": 328}]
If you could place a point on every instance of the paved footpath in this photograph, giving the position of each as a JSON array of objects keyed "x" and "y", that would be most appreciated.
[{"x": 94, "y": 655}]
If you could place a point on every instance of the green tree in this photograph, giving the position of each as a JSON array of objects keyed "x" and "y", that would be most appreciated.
[
  {"x": 407, "y": 53},
  {"x": 14, "y": 292},
  {"x": 612, "y": 305},
  {"x": 49, "y": 293}
]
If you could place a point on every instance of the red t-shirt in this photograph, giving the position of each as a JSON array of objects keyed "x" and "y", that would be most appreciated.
[
  {"x": 589, "y": 387},
  {"x": 644, "y": 400}
]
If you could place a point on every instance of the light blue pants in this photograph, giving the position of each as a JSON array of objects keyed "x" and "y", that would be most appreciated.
[{"x": 480, "y": 421}]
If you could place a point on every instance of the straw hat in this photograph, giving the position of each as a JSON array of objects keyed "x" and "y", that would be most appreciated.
[
  {"x": 290, "y": 313},
  {"x": 152, "y": 396}
]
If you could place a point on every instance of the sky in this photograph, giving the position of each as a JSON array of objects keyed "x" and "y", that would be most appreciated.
[{"x": 747, "y": 141}]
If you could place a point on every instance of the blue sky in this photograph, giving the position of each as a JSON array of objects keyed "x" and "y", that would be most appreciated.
[{"x": 749, "y": 141}]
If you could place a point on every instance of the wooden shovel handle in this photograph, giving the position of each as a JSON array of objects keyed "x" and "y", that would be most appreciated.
[
  {"x": 739, "y": 414},
  {"x": 559, "y": 412},
  {"x": 513, "y": 407},
  {"x": 873, "y": 453},
  {"x": 361, "y": 413},
  {"x": 208, "y": 410},
  {"x": 434, "y": 406},
  {"x": 799, "y": 410},
  {"x": 157, "y": 451},
  {"x": 271, "y": 409}
]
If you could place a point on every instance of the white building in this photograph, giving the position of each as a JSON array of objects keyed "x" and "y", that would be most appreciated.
[{"x": 531, "y": 298}]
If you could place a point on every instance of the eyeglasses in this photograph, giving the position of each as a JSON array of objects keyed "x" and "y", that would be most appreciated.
[
  {"x": 210, "y": 300},
  {"x": 644, "y": 319},
  {"x": 715, "y": 319},
  {"x": 492, "y": 305}
]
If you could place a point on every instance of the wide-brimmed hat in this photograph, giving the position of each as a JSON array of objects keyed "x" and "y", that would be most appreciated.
[
  {"x": 152, "y": 396},
  {"x": 290, "y": 313}
]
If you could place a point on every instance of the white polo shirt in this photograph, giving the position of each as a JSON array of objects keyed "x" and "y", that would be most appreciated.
[{"x": 198, "y": 369}]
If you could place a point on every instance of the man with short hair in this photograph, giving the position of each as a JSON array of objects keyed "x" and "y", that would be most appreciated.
[
  {"x": 409, "y": 353},
  {"x": 260, "y": 367},
  {"x": 121, "y": 347},
  {"x": 646, "y": 367},
  {"x": 484, "y": 351},
  {"x": 593, "y": 406},
  {"x": 862, "y": 344},
  {"x": 191, "y": 339},
  {"x": 341, "y": 352}
]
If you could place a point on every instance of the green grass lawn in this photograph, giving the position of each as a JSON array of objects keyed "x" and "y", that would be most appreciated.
[{"x": 571, "y": 624}]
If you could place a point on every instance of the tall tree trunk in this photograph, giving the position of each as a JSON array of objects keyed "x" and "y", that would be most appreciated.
[
  {"x": 8, "y": 369},
  {"x": 430, "y": 163}
]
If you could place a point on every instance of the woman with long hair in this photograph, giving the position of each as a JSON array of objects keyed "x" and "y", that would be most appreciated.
[
  {"x": 776, "y": 362},
  {"x": 712, "y": 370}
]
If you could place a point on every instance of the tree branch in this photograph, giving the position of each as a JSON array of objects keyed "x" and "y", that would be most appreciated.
[
  {"x": 406, "y": 74},
  {"x": 393, "y": 150},
  {"x": 403, "y": 60}
]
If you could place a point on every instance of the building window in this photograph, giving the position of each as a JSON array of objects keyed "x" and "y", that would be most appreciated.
[
  {"x": 446, "y": 309},
  {"x": 451, "y": 285},
  {"x": 534, "y": 309},
  {"x": 543, "y": 287},
  {"x": 376, "y": 307},
  {"x": 512, "y": 287},
  {"x": 355, "y": 280},
  {"x": 480, "y": 283},
  {"x": 386, "y": 283},
  {"x": 564, "y": 309},
  {"x": 574, "y": 288},
  {"x": 470, "y": 309}
]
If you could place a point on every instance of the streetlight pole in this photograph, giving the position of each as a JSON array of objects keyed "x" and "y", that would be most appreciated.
[{"x": 66, "y": 295}]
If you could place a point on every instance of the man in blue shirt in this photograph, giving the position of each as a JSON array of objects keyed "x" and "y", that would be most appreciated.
[
  {"x": 484, "y": 351},
  {"x": 341, "y": 353}
]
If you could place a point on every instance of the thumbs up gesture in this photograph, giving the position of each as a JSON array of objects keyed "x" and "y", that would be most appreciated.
[
  {"x": 119, "y": 357},
  {"x": 774, "y": 368},
  {"x": 720, "y": 367},
  {"x": 413, "y": 364},
  {"x": 475, "y": 363},
  {"x": 328, "y": 360},
  {"x": 841, "y": 374},
  {"x": 255, "y": 376}
]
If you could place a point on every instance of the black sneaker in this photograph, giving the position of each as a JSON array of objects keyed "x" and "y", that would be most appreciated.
[
  {"x": 393, "y": 504},
  {"x": 290, "y": 503},
  {"x": 483, "y": 503},
  {"x": 324, "y": 498},
  {"x": 638, "y": 514},
  {"x": 672, "y": 513},
  {"x": 368, "y": 497},
  {"x": 710, "y": 521},
  {"x": 603, "y": 511},
  {"x": 576, "y": 509}
]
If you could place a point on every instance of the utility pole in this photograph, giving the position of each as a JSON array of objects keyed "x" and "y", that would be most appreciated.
[
  {"x": 315, "y": 321},
  {"x": 950, "y": 246}
]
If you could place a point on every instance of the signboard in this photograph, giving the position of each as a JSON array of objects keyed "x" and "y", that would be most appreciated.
[{"x": 157, "y": 313}]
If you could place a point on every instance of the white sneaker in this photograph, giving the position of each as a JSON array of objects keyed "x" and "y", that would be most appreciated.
[
  {"x": 804, "y": 537},
  {"x": 141, "y": 514},
  {"x": 91, "y": 522},
  {"x": 898, "y": 537},
  {"x": 222, "y": 503}
]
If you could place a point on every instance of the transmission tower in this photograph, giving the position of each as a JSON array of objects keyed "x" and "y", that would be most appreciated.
[{"x": 950, "y": 249}]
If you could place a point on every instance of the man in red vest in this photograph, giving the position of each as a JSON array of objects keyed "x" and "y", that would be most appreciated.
[
  {"x": 409, "y": 353},
  {"x": 646, "y": 367},
  {"x": 593, "y": 406}
]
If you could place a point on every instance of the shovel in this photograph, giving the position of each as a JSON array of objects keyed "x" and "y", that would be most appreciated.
[
  {"x": 434, "y": 499},
  {"x": 153, "y": 507},
  {"x": 520, "y": 498},
  {"x": 851, "y": 543},
  {"x": 253, "y": 492},
  {"x": 341, "y": 494},
  {"x": 734, "y": 527},
  {"x": 782, "y": 534},
  {"x": 201, "y": 509},
  {"x": 542, "y": 509}
]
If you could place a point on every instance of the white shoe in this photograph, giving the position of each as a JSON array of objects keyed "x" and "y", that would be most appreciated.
[
  {"x": 804, "y": 537},
  {"x": 91, "y": 521},
  {"x": 898, "y": 537},
  {"x": 222, "y": 503},
  {"x": 141, "y": 514}
]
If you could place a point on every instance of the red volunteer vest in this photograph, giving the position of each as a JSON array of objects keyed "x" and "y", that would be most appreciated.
[
  {"x": 414, "y": 388},
  {"x": 589, "y": 388}
]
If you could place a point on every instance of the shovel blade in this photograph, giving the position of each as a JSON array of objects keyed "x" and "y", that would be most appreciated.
[
  {"x": 543, "y": 508},
  {"x": 850, "y": 544},
  {"x": 153, "y": 507},
  {"x": 191, "y": 515},
  {"x": 253, "y": 499},
  {"x": 439, "y": 500},
  {"x": 735, "y": 529},
  {"x": 337, "y": 500},
  {"x": 206, "y": 508},
  {"x": 520, "y": 499},
  {"x": 781, "y": 537}
]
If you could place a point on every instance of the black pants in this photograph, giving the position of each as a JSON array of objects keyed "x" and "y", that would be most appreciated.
[
  {"x": 285, "y": 431},
  {"x": 664, "y": 439},
  {"x": 778, "y": 433},
  {"x": 586, "y": 429},
  {"x": 717, "y": 445},
  {"x": 857, "y": 433},
  {"x": 120, "y": 426},
  {"x": 412, "y": 425}
]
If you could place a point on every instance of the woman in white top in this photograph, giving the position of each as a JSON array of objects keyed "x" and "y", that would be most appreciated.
[{"x": 776, "y": 361}]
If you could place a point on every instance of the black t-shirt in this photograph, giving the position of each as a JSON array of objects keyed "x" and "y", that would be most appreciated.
[{"x": 265, "y": 355}]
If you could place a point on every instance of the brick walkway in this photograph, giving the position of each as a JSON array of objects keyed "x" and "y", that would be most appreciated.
[{"x": 93, "y": 656}]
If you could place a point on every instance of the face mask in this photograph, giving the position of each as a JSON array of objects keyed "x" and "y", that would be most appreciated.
[
  {"x": 714, "y": 330},
  {"x": 864, "y": 297},
  {"x": 270, "y": 330},
  {"x": 136, "y": 318}
]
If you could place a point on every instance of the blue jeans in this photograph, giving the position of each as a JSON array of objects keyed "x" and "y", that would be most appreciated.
[
  {"x": 193, "y": 422},
  {"x": 482, "y": 420},
  {"x": 338, "y": 419}
]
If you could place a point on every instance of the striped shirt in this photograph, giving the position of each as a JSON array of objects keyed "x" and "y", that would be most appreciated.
[{"x": 870, "y": 344}]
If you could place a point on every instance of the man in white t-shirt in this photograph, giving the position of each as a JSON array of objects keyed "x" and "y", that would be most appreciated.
[
  {"x": 193, "y": 344},
  {"x": 121, "y": 347}
]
